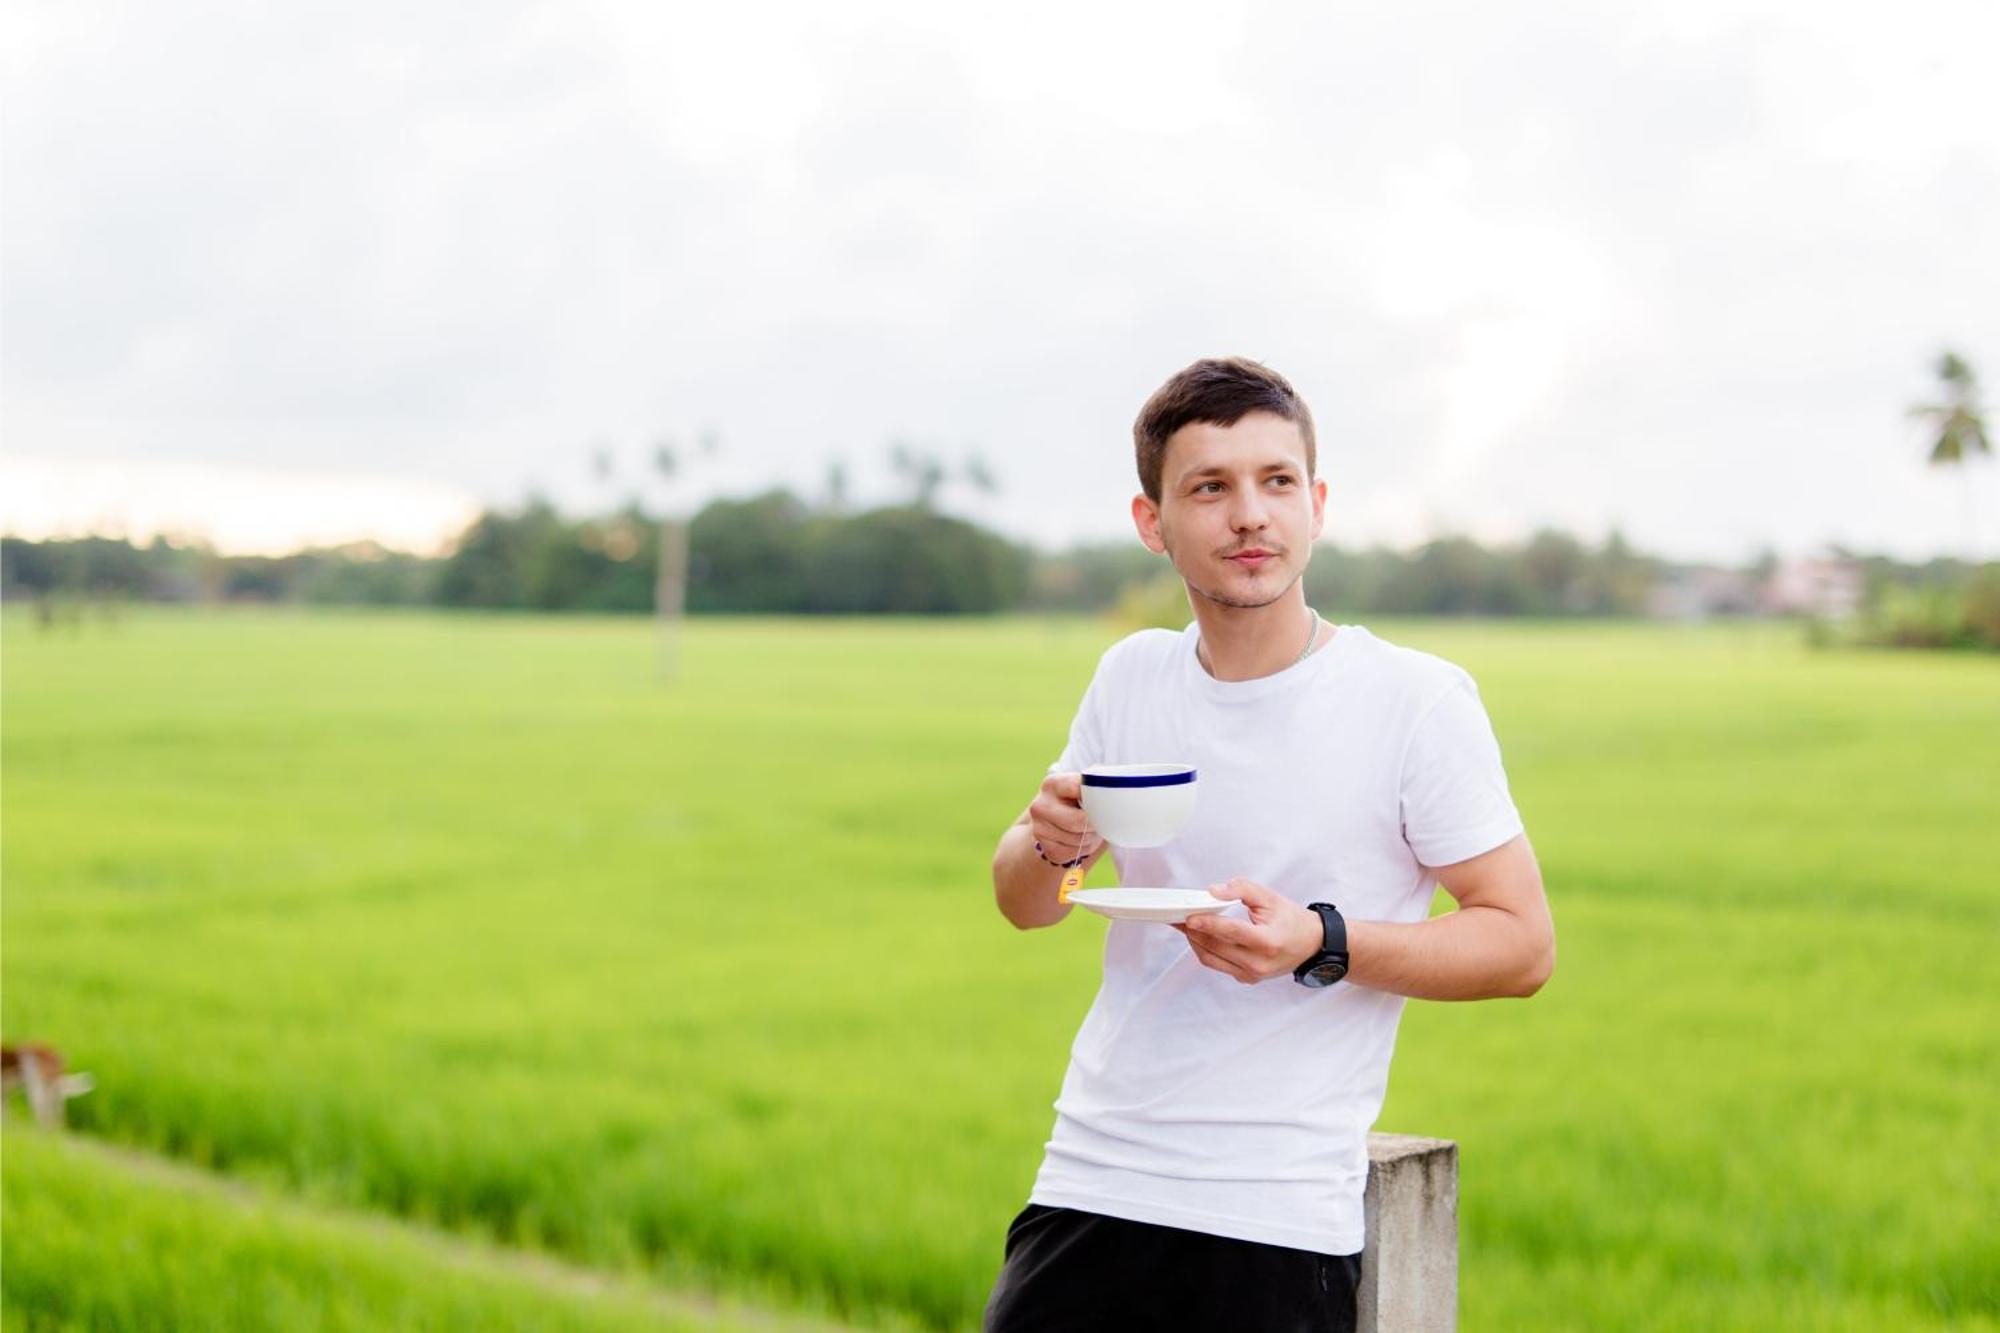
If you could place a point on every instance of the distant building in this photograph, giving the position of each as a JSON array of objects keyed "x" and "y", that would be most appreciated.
[
  {"x": 1829, "y": 587},
  {"x": 1698, "y": 592}
]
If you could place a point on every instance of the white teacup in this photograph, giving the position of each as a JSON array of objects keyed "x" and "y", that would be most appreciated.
[{"x": 1138, "y": 805}]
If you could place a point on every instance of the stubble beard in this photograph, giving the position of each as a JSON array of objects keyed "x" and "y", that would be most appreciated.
[
  {"x": 1239, "y": 603},
  {"x": 1236, "y": 603}
]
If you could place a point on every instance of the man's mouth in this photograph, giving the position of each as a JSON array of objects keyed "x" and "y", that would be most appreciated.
[{"x": 1252, "y": 558}]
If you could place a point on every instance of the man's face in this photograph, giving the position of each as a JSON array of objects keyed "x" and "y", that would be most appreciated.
[{"x": 1237, "y": 513}]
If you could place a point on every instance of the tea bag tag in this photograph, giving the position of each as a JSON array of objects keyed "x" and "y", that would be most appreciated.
[{"x": 1072, "y": 879}]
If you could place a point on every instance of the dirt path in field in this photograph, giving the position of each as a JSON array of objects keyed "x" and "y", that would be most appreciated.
[{"x": 456, "y": 1251}]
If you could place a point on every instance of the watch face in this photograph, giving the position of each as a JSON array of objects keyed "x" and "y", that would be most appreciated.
[{"x": 1325, "y": 974}]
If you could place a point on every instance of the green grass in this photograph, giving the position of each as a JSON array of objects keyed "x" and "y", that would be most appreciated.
[
  {"x": 470, "y": 921},
  {"x": 98, "y": 1240}
]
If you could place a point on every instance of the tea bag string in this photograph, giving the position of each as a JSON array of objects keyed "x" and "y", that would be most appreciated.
[{"x": 1072, "y": 876}]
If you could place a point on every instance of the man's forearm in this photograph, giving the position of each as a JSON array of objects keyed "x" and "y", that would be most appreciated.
[
  {"x": 1024, "y": 885},
  {"x": 1473, "y": 953}
]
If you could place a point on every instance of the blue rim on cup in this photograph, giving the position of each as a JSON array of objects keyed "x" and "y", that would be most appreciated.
[{"x": 1137, "y": 775}]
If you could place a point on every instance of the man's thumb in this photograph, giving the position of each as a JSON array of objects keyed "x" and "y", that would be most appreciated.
[{"x": 1246, "y": 891}]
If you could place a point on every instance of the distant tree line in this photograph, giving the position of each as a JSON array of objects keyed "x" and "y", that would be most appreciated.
[
  {"x": 1938, "y": 604},
  {"x": 111, "y": 568},
  {"x": 1551, "y": 574},
  {"x": 771, "y": 554},
  {"x": 777, "y": 554}
]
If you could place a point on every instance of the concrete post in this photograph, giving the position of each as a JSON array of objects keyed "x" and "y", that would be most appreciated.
[
  {"x": 1409, "y": 1270},
  {"x": 670, "y": 593}
]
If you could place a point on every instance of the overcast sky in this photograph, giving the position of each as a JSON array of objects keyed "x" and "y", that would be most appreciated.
[{"x": 286, "y": 271}]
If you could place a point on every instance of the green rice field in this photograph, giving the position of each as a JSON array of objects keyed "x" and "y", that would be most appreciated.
[
  {"x": 389, "y": 927},
  {"x": 225, "y": 1257}
]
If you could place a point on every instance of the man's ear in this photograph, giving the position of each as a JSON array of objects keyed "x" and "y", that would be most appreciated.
[
  {"x": 1319, "y": 505},
  {"x": 1146, "y": 518}
]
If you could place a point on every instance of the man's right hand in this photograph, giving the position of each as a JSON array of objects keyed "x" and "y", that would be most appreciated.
[
  {"x": 1057, "y": 820},
  {"x": 1024, "y": 884}
]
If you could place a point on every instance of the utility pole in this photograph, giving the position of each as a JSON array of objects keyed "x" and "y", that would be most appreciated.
[
  {"x": 670, "y": 593},
  {"x": 670, "y": 582}
]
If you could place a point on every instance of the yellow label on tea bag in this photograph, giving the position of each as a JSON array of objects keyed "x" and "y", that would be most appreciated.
[{"x": 1072, "y": 879}]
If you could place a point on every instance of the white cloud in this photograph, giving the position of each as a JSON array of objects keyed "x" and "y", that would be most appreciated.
[{"x": 1678, "y": 269}]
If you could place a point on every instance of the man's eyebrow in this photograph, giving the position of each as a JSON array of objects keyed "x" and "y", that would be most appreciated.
[{"x": 1217, "y": 470}]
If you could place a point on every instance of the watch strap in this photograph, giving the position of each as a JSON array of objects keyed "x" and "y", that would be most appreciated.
[
  {"x": 1333, "y": 927},
  {"x": 1332, "y": 949}
]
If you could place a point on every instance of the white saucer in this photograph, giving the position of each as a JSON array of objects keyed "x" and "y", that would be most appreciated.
[{"x": 1149, "y": 904}]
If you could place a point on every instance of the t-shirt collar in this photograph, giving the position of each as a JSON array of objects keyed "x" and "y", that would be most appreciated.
[{"x": 1315, "y": 667}]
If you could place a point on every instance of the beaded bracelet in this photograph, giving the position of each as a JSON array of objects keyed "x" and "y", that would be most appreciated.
[{"x": 1061, "y": 865}]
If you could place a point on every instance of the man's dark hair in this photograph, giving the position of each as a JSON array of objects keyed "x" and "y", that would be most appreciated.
[{"x": 1218, "y": 391}]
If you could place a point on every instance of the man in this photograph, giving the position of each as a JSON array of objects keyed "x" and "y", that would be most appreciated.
[{"x": 1210, "y": 1147}]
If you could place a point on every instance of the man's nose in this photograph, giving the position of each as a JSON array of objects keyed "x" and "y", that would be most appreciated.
[{"x": 1249, "y": 512}]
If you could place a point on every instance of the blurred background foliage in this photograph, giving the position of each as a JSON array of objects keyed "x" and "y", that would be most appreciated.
[{"x": 776, "y": 553}]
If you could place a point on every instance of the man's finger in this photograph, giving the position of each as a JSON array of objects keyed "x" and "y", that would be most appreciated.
[
  {"x": 1221, "y": 961},
  {"x": 1056, "y": 850},
  {"x": 1201, "y": 951},
  {"x": 1244, "y": 946},
  {"x": 1235, "y": 959},
  {"x": 1209, "y": 959},
  {"x": 1224, "y": 932},
  {"x": 1049, "y": 830},
  {"x": 1072, "y": 833},
  {"x": 1069, "y": 823},
  {"x": 1247, "y": 891},
  {"x": 1064, "y": 787},
  {"x": 1058, "y": 811}
]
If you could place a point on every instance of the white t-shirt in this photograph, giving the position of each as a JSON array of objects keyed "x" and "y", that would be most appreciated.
[{"x": 1192, "y": 1100}]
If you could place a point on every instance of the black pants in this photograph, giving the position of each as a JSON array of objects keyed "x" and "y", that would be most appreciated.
[{"x": 1069, "y": 1270}]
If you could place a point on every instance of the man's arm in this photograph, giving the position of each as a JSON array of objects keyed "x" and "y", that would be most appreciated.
[
  {"x": 1501, "y": 941},
  {"x": 1024, "y": 885}
]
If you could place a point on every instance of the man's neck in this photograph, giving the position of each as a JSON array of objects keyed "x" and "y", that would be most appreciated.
[{"x": 1243, "y": 643}]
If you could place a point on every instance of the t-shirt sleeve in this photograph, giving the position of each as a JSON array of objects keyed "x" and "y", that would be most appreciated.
[
  {"x": 1086, "y": 731},
  {"x": 1455, "y": 802}
]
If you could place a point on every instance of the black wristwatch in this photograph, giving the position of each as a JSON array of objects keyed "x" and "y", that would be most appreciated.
[{"x": 1330, "y": 963}]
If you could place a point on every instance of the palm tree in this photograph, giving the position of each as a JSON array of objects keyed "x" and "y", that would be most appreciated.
[
  {"x": 835, "y": 499},
  {"x": 920, "y": 469},
  {"x": 977, "y": 474},
  {"x": 1961, "y": 431},
  {"x": 926, "y": 473},
  {"x": 670, "y": 580}
]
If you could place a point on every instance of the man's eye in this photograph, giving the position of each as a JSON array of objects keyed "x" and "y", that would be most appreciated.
[
  {"x": 1282, "y": 481},
  {"x": 1207, "y": 486}
]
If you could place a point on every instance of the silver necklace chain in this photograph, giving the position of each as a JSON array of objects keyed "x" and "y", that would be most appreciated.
[{"x": 1312, "y": 641}]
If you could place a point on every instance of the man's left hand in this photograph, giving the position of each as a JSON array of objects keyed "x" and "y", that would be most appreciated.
[{"x": 1279, "y": 935}]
